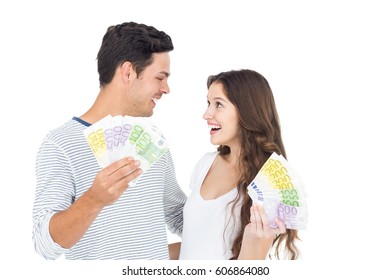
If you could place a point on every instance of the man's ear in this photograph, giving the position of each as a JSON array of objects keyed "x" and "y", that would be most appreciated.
[{"x": 127, "y": 71}]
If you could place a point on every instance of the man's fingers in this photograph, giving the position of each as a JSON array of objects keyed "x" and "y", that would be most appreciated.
[
  {"x": 130, "y": 176},
  {"x": 125, "y": 170},
  {"x": 120, "y": 186},
  {"x": 115, "y": 166}
]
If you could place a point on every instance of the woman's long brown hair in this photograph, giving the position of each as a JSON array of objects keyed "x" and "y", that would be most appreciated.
[{"x": 259, "y": 136}]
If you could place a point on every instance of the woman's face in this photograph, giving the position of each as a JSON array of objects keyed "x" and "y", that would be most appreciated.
[{"x": 222, "y": 117}]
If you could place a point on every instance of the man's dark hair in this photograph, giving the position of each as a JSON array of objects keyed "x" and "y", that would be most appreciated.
[{"x": 131, "y": 42}]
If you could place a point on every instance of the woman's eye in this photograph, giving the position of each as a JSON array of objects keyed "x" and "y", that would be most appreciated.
[{"x": 218, "y": 105}]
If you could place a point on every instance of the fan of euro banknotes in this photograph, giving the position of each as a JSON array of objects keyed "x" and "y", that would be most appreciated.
[
  {"x": 116, "y": 137},
  {"x": 278, "y": 188}
]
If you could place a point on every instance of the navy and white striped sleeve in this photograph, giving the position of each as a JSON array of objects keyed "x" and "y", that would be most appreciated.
[
  {"x": 174, "y": 198},
  {"x": 54, "y": 193}
]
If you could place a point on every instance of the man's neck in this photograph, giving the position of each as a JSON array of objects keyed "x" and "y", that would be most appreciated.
[{"x": 105, "y": 104}]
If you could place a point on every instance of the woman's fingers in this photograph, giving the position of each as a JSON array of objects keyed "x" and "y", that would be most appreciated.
[
  {"x": 281, "y": 227},
  {"x": 260, "y": 224},
  {"x": 263, "y": 216}
]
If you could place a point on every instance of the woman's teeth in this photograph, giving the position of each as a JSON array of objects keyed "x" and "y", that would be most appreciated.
[{"x": 214, "y": 127}]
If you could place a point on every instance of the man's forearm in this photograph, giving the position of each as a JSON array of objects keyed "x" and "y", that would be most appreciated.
[{"x": 69, "y": 226}]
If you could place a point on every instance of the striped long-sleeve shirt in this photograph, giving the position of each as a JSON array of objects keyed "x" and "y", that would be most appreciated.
[{"x": 134, "y": 227}]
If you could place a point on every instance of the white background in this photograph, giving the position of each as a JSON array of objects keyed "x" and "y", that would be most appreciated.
[{"x": 328, "y": 63}]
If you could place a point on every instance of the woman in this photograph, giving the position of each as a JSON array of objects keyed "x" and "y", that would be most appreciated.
[{"x": 220, "y": 221}]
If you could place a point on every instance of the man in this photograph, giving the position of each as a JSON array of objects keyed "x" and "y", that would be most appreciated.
[{"x": 86, "y": 212}]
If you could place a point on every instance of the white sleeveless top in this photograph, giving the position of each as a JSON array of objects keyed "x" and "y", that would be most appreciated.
[{"x": 205, "y": 235}]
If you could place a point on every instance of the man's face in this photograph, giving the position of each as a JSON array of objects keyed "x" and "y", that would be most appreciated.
[{"x": 149, "y": 86}]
